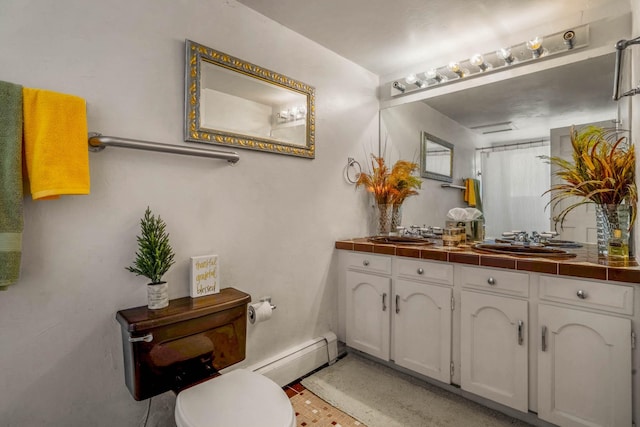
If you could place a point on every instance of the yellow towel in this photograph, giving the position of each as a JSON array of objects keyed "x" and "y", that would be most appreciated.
[
  {"x": 470, "y": 192},
  {"x": 56, "y": 152}
]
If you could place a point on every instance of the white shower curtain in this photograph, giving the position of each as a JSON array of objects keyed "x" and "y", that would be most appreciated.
[{"x": 513, "y": 182}]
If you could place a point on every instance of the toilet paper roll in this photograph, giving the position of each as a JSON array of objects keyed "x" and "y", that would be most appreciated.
[{"x": 260, "y": 311}]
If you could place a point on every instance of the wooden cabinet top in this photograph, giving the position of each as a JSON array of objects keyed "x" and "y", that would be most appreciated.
[{"x": 139, "y": 319}]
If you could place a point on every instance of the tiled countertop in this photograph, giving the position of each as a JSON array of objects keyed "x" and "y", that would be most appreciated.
[{"x": 586, "y": 263}]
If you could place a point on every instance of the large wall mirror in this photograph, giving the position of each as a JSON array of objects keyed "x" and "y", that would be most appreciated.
[
  {"x": 436, "y": 158},
  {"x": 507, "y": 162},
  {"x": 232, "y": 102}
]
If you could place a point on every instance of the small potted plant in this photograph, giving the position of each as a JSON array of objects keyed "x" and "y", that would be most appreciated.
[{"x": 153, "y": 258}]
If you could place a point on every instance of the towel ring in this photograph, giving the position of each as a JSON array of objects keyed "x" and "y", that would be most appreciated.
[{"x": 352, "y": 166}]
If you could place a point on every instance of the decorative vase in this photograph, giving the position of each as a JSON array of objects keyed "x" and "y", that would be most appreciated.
[
  {"x": 383, "y": 219},
  {"x": 157, "y": 295},
  {"x": 396, "y": 217},
  {"x": 608, "y": 219}
]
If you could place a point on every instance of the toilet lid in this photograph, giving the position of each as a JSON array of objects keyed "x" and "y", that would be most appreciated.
[{"x": 239, "y": 398}]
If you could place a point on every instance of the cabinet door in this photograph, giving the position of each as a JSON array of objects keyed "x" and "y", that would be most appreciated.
[
  {"x": 368, "y": 308},
  {"x": 422, "y": 328},
  {"x": 584, "y": 368},
  {"x": 494, "y": 360}
]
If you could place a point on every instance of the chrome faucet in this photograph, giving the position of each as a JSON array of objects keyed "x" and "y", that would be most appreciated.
[{"x": 522, "y": 237}]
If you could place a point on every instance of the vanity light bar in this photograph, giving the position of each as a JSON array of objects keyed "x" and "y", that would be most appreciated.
[{"x": 535, "y": 49}]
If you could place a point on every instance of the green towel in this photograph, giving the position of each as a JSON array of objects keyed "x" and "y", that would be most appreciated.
[
  {"x": 476, "y": 187},
  {"x": 11, "y": 220}
]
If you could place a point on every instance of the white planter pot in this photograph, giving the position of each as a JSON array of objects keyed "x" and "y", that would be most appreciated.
[{"x": 157, "y": 295}]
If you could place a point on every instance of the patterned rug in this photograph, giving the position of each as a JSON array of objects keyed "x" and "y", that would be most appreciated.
[{"x": 314, "y": 412}]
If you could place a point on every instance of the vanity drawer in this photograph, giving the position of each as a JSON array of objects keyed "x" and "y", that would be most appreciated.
[
  {"x": 426, "y": 271},
  {"x": 597, "y": 295},
  {"x": 500, "y": 281},
  {"x": 369, "y": 262}
]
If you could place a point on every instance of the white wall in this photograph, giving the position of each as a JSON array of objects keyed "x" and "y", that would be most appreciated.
[
  {"x": 401, "y": 127},
  {"x": 272, "y": 219}
]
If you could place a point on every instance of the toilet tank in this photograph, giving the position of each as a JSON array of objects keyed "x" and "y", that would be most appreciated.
[{"x": 184, "y": 343}]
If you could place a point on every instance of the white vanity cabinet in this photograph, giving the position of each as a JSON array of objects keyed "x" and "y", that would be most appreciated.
[
  {"x": 422, "y": 316},
  {"x": 404, "y": 316},
  {"x": 494, "y": 344},
  {"x": 556, "y": 346},
  {"x": 584, "y": 357},
  {"x": 368, "y": 295}
]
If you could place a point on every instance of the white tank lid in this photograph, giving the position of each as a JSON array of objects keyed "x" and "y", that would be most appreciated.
[{"x": 239, "y": 398}]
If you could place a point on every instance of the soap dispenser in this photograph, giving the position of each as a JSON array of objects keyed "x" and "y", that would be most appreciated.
[{"x": 618, "y": 246}]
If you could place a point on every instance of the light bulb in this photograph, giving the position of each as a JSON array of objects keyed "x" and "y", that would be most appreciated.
[
  {"x": 535, "y": 46},
  {"x": 535, "y": 43},
  {"x": 399, "y": 86},
  {"x": 505, "y": 54},
  {"x": 433, "y": 74},
  {"x": 569, "y": 38},
  {"x": 455, "y": 67},
  {"x": 411, "y": 79},
  {"x": 478, "y": 61}
]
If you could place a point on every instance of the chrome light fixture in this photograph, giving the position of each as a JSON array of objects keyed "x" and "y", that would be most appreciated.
[{"x": 496, "y": 60}]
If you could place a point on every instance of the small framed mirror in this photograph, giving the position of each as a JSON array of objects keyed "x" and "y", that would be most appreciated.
[
  {"x": 436, "y": 158},
  {"x": 232, "y": 102}
]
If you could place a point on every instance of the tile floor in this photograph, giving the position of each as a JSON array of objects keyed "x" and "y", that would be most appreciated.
[{"x": 314, "y": 412}]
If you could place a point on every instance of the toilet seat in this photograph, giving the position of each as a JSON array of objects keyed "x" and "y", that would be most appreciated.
[{"x": 239, "y": 398}]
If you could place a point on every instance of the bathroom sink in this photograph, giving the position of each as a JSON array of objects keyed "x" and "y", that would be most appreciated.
[
  {"x": 521, "y": 250},
  {"x": 403, "y": 240}
]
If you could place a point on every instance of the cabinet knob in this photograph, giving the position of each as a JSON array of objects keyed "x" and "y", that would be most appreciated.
[
  {"x": 491, "y": 281},
  {"x": 365, "y": 262},
  {"x": 420, "y": 271},
  {"x": 581, "y": 294}
]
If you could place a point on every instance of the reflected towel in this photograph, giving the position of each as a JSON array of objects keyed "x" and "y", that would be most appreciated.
[
  {"x": 472, "y": 193},
  {"x": 11, "y": 220},
  {"x": 55, "y": 143},
  {"x": 469, "y": 192}
]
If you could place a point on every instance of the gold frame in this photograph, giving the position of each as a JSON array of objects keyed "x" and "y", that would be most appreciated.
[{"x": 193, "y": 132}]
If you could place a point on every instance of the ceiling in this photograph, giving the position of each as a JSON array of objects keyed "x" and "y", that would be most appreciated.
[{"x": 389, "y": 37}]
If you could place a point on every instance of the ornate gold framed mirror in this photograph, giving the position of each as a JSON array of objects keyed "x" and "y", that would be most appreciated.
[{"x": 232, "y": 102}]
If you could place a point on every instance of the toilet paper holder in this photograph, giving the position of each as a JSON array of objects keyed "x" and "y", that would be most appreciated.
[
  {"x": 253, "y": 317},
  {"x": 268, "y": 299}
]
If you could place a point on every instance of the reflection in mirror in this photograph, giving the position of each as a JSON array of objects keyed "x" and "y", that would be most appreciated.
[
  {"x": 232, "y": 102},
  {"x": 555, "y": 98},
  {"x": 436, "y": 156}
]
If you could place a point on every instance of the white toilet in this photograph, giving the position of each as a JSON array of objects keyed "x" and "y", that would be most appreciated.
[
  {"x": 182, "y": 348},
  {"x": 239, "y": 398}
]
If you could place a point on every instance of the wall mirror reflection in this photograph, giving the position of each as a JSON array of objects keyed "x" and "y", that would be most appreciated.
[
  {"x": 229, "y": 101},
  {"x": 436, "y": 158},
  {"x": 534, "y": 112}
]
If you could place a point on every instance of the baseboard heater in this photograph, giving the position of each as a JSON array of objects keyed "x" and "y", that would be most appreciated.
[{"x": 298, "y": 361}]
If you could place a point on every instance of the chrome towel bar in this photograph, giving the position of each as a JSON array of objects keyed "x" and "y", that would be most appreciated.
[{"x": 98, "y": 142}]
